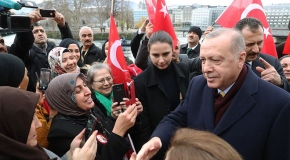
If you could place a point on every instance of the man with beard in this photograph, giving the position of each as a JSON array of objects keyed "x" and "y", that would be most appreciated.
[
  {"x": 230, "y": 101},
  {"x": 263, "y": 65},
  {"x": 89, "y": 51}
]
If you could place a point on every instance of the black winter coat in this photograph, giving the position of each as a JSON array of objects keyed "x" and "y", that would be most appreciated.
[
  {"x": 94, "y": 54},
  {"x": 154, "y": 99},
  {"x": 64, "y": 129}
]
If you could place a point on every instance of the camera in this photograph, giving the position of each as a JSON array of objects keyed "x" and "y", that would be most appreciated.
[{"x": 15, "y": 23}]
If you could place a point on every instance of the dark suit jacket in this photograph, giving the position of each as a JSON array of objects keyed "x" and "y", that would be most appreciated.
[
  {"x": 276, "y": 64},
  {"x": 135, "y": 43},
  {"x": 193, "y": 53},
  {"x": 256, "y": 123},
  {"x": 156, "y": 104},
  {"x": 94, "y": 54}
]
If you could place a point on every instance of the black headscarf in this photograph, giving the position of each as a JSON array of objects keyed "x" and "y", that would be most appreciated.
[
  {"x": 15, "y": 121},
  {"x": 12, "y": 70},
  {"x": 68, "y": 41}
]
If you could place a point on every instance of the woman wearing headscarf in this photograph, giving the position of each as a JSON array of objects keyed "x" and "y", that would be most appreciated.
[
  {"x": 61, "y": 61},
  {"x": 12, "y": 71},
  {"x": 70, "y": 96},
  {"x": 73, "y": 47},
  {"x": 18, "y": 124}
]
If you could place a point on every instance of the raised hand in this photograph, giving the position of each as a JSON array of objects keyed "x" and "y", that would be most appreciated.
[
  {"x": 269, "y": 73},
  {"x": 59, "y": 19},
  {"x": 125, "y": 120},
  {"x": 35, "y": 16},
  {"x": 89, "y": 150}
]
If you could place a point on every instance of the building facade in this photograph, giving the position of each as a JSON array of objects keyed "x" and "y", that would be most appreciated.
[{"x": 278, "y": 15}]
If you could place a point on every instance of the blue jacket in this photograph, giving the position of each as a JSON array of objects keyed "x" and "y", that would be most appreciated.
[{"x": 256, "y": 123}]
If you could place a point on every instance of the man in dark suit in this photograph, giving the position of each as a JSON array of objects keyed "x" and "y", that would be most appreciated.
[
  {"x": 192, "y": 47},
  {"x": 89, "y": 51},
  {"x": 265, "y": 66},
  {"x": 230, "y": 101}
]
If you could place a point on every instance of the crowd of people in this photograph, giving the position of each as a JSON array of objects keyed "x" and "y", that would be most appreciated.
[{"x": 202, "y": 100}]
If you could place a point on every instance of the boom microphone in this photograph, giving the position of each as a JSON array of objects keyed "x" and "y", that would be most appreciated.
[{"x": 10, "y": 4}]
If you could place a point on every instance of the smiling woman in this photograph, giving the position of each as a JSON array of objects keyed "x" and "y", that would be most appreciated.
[{"x": 61, "y": 60}]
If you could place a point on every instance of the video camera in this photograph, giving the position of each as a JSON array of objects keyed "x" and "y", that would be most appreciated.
[{"x": 15, "y": 23}]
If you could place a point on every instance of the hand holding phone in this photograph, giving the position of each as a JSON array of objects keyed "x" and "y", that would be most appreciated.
[
  {"x": 47, "y": 13},
  {"x": 45, "y": 76},
  {"x": 118, "y": 93},
  {"x": 91, "y": 126}
]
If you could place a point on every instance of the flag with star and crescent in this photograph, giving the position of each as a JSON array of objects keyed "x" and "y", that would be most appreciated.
[
  {"x": 163, "y": 21},
  {"x": 249, "y": 8},
  {"x": 151, "y": 9}
]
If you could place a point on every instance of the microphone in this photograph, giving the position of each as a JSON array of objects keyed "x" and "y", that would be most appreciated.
[{"x": 10, "y": 4}]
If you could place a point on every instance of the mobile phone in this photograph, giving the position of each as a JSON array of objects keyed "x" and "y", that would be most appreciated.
[
  {"x": 45, "y": 76},
  {"x": 91, "y": 126},
  {"x": 47, "y": 13},
  {"x": 118, "y": 93}
]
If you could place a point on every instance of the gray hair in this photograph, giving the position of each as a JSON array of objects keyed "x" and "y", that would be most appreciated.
[
  {"x": 237, "y": 40},
  {"x": 85, "y": 27},
  {"x": 94, "y": 68}
]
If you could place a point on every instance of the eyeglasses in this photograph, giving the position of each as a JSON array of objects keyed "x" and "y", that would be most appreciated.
[
  {"x": 102, "y": 81},
  {"x": 2, "y": 41}
]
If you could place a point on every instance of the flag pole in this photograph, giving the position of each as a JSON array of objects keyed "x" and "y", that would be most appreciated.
[{"x": 112, "y": 7}]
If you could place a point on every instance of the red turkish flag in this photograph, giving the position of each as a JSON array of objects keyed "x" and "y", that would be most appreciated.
[
  {"x": 286, "y": 49},
  {"x": 151, "y": 9},
  {"x": 117, "y": 62},
  {"x": 163, "y": 21},
  {"x": 116, "y": 59},
  {"x": 240, "y": 9}
]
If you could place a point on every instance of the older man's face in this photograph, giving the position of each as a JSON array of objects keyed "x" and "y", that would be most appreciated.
[
  {"x": 219, "y": 66},
  {"x": 86, "y": 37}
]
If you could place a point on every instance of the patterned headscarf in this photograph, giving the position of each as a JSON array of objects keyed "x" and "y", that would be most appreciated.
[
  {"x": 60, "y": 94},
  {"x": 55, "y": 61}
]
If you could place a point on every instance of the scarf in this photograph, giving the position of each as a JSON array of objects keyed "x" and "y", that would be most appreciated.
[
  {"x": 105, "y": 101},
  {"x": 222, "y": 104},
  {"x": 55, "y": 61},
  {"x": 60, "y": 94},
  {"x": 15, "y": 123},
  {"x": 12, "y": 70}
]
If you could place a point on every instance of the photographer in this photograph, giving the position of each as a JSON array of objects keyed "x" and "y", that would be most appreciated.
[{"x": 37, "y": 57}]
